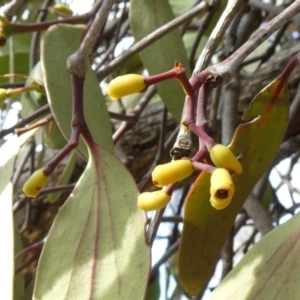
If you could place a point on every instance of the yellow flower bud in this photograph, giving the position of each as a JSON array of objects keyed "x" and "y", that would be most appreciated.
[
  {"x": 3, "y": 95},
  {"x": 34, "y": 183},
  {"x": 222, "y": 157},
  {"x": 171, "y": 172},
  {"x": 221, "y": 189},
  {"x": 153, "y": 200},
  {"x": 61, "y": 10},
  {"x": 3, "y": 39},
  {"x": 125, "y": 85},
  {"x": 3, "y": 21}
]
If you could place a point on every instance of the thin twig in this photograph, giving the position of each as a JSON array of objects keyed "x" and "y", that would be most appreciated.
[
  {"x": 233, "y": 6},
  {"x": 39, "y": 123},
  {"x": 169, "y": 252},
  {"x": 134, "y": 115},
  {"x": 222, "y": 72},
  {"x": 35, "y": 39},
  {"x": 38, "y": 113},
  {"x": 153, "y": 226},
  {"x": 152, "y": 37},
  {"x": 12, "y": 8},
  {"x": 159, "y": 153},
  {"x": 30, "y": 147}
]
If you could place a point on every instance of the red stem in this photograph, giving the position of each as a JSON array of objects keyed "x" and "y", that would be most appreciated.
[
  {"x": 32, "y": 27},
  {"x": 78, "y": 124}
]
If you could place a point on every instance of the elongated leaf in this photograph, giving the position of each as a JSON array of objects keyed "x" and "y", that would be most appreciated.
[
  {"x": 53, "y": 137},
  {"x": 20, "y": 53},
  {"x": 206, "y": 229},
  {"x": 145, "y": 17},
  {"x": 96, "y": 248},
  {"x": 59, "y": 43},
  {"x": 179, "y": 7},
  {"x": 8, "y": 154},
  {"x": 270, "y": 270}
]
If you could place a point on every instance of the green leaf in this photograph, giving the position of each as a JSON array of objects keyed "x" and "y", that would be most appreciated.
[
  {"x": 59, "y": 43},
  {"x": 8, "y": 154},
  {"x": 20, "y": 53},
  {"x": 53, "y": 136},
  {"x": 96, "y": 247},
  {"x": 31, "y": 101},
  {"x": 145, "y": 17},
  {"x": 206, "y": 229},
  {"x": 179, "y": 6},
  {"x": 19, "y": 282},
  {"x": 21, "y": 66},
  {"x": 270, "y": 270},
  {"x": 153, "y": 292}
]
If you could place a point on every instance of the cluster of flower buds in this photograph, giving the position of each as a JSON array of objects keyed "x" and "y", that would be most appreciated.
[
  {"x": 162, "y": 176},
  {"x": 167, "y": 175},
  {"x": 221, "y": 184}
]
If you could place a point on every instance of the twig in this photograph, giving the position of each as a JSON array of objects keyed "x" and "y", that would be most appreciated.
[
  {"x": 233, "y": 6},
  {"x": 36, "y": 35},
  {"x": 227, "y": 254},
  {"x": 26, "y": 263},
  {"x": 152, "y": 37},
  {"x": 39, "y": 123},
  {"x": 78, "y": 62},
  {"x": 159, "y": 153},
  {"x": 169, "y": 252},
  {"x": 201, "y": 31},
  {"x": 77, "y": 65},
  {"x": 275, "y": 10},
  {"x": 38, "y": 113},
  {"x": 135, "y": 114},
  {"x": 27, "y": 153},
  {"x": 221, "y": 73},
  {"x": 229, "y": 109},
  {"x": 12, "y": 8},
  {"x": 254, "y": 209},
  {"x": 153, "y": 226},
  {"x": 29, "y": 249},
  {"x": 26, "y": 220},
  {"x": 271, "y": 50},
  {"x": 112, "y": 47}
]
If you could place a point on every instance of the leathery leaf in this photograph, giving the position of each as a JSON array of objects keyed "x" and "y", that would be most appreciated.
[
  {"x": 206, "y": 229},
  {"x": 59, "y": 42},
  {"x": 8, "y": 155},
  {"x": 96, "y": 247},
  {"x": 269, "y": 270}
]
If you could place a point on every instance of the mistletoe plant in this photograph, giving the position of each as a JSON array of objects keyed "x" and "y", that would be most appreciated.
[
  {"x": 98, "y": 246},
  {"x": 168, "y": 175}
]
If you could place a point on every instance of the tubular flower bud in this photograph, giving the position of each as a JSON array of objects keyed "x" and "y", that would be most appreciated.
[
  {"x": 125, "y": 85},
  {"x": 171, "y": 172},
  {"x": 34, "y": 183},
  {"x": 153, "y": 200},
  {"x": 3, "y": 95},
  {"x": 221, "y": 189},
  {"x": 5, "y": 30},
  {"x": 222, "y": 157},
  {"x": 61, "y": 10},
  {"x": 3, "y": 39}
]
